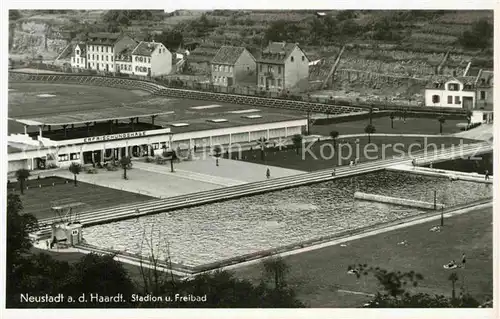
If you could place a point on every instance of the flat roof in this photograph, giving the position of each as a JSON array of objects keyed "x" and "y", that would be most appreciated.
[
  {"x": 103, "y": 115},
  {"x": 77, "y": 103}
]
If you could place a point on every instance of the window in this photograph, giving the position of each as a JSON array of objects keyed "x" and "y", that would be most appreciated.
[
  {"x": 230, "y": 69},
  {"x": 106, "y": 58},
  {"x": 291, "y": 59},
  {"x": 482, "y": 95},
  {"x": 78, "y": 60},
  {"x": 89, "y": 56},
  {"x": 156, "y": 146},
  {"x": 303, "y": 58},
  {"x": 279, "y": 69},
  {"x": 63, "y": 157},
  {"x": 140, "y": 59},
  {"x": 227, "y": 68},
  {"x": 106, "y": 49},
  {"x": 260, "y": 68},
  {"x": 97, "y": 57},
  {"x": 269, "y": 69},
  {"x": 111, "y": 58},
  {"x": 149, "y": 60},
  {"x": 111, "y": 50},
  {"x": 102, "y": 57},
  {"x": 262, "y": 81},
  {"x": 273, "y": 81},
  {"x": 92, "y": 56},
  {"x": 163, "y": 144},
  {"x": 453, "y": 87},
  {"x": 102, "y": 49},
  {"x": 77, "y": 52},
  {"x": 457, "y": 99},
  {"x": 74, "y": 156},
  {"x": 450, "y": 99},
  {"x": 279, "y": 82},
  {"x": 73, "y": 60}
]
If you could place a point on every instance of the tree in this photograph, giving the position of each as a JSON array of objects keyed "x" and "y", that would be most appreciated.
[
  {"x": 334, "y": 135},
  {"x": 171, "y": 156},
  {"x": 75, "y": 169},
  {"x": 392, "y": 116},
  {"x": 370, "y": 129},
  {"x": 453, "y": 278},
  {"x": 277, "y": 269},
  {"x": 469, "y": 117},
  {"x": 125, "y": 163},
  {"x": 479, "y": 36},
  {"x": 297, "y": 142},
  {"x": 395, "y": 295},
  {"x": 14, "y": 15},
  {"x": 22, "y": 175},
  {"x": 17, "y": 245},
  {"x": 171, "y": 39},
  {"x": 441, "y": 120},
  {"x": 217, "y": 150},
  {"x": 102, "y": 275},
  {"x": 262, "y": 142}
]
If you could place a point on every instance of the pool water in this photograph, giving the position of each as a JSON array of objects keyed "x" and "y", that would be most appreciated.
[{"x": 213, "y": 232}]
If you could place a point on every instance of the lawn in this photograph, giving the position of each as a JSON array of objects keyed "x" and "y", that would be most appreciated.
[
  {"x": 290, "y": 159},
  {"x": 38, "y": 200},
  {"x": 383, "y": 125},
  {"x": 319, "y": 276}
]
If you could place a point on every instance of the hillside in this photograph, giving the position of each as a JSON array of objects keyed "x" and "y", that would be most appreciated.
[{"x": 393, "y": 51}]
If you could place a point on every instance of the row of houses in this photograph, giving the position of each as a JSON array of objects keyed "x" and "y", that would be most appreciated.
[
  {"x": 119, "y": 53},
  {"x": 280, "y": 66}
]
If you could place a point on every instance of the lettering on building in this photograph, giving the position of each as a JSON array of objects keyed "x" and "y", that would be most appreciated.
[{"x": 113, "y": 137}]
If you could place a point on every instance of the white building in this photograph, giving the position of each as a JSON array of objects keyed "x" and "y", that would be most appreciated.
[
  {"x": 101, "y": 49},
  {"x": 123, "y": 60},
  {"x": 79, "y": 56},
  {"x": 151, "y": 59},
  {"x": 453, "y": 93}
]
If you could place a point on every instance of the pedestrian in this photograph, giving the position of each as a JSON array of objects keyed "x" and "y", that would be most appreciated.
[
  {"x": 217, "y": 162},
  {"x": 334, "y": 172},
  {"x": 351, "y": 164},
  {"x": 268, "y": 173},
  {"x": 356, "y": 161},
  {"x": 463, "y": 260},
  {"x": 430, "y": 165},
  {"x": 486, "y": 175}
]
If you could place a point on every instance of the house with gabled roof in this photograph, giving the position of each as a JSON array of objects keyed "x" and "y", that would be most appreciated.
[
  {"x": 283, "y": 66},
  {"x": 79, "y": 56},
  {"x": 151, "y": 59},
  {"x": 453, "y": 92},
  {"x": 232, "y": 66}
]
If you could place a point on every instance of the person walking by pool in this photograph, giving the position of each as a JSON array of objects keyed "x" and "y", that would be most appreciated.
[
  {"x": 268, "y": 173},
  {"x": 217, "y": 162},
  {"x": 351, "y": 164},
  {"x": 430, "y": 165},
  {"x": 356, "y": 161},
  {"x": 334, "y": 172},
  {"x": 414, "y": 163},
  {"x": 486, "y": 175},
  {"x": 463, "y": 261}
]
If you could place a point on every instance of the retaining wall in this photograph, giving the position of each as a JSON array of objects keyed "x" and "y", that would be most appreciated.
[
  {"x": 159, "y": 89},
  {"x": 396, "y": 200}
]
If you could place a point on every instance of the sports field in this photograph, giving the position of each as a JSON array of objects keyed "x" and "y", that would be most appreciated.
[
  {"x": 288, "y": 158},
  {"x": 383, "y": 125},
  {"x": 39, "y": 100},
  {"x": 38, "y": 200},
  {"x": 321, "y": 280}
]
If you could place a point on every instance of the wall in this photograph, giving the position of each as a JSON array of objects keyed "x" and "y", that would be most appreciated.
[
  {"x": 97, "y": 54},
  {"x": 245, "y": 69},
  {"x": 17, "y": 164},
  {"x": 443, "y": 97},
  {"x": 397, "y": 201},
  {"x": 276, "y": 79},
  {"x": 297, "y": 72},
  {"x": 161, "y": 63},
  {"x": 138, "y": 65},
  {"x": 219, "y": 71}
]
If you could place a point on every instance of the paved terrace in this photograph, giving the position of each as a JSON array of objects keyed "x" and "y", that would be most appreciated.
[{"x": 157, "y": 206}]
